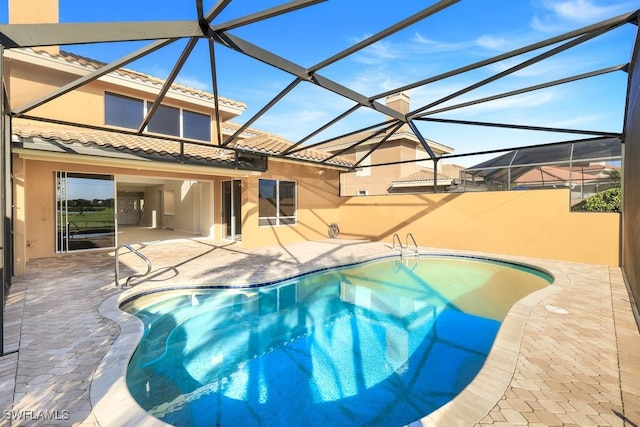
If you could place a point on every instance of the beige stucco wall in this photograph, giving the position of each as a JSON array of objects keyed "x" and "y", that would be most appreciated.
[
  {"x": 31, "y": 81},
  {"x": 21, "y": 12},
  {"x": 198, "y": 204},
  {"x": 35, "y": 202},
  {"x": 528, "y": 223},
  {"x": 378, "y": 182},
  {"x": 316, "y": 205}
]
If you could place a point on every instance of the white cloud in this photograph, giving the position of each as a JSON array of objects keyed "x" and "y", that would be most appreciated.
[
  {"x": 193, "y": 82},
  {"x": 374, "y": 80},
  {"x": 558, "y": 14},
  {"x": 424, "y": 44},
  {"x": 583, "y": 10},
  {"x": 378, "y": 52},
  {"x": 510, "y": 104},
  {"x": 492, "y": 43},
  {"x": 293, "y": 125},
  {"x": 549, "y": 68},
  {"x": 582, "y": 121}
]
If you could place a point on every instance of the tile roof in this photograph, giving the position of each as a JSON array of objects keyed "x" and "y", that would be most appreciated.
[
  {"x": 552, "y": 174},
  {"x": 426, "y": 175},
  {"x": 72, "y": 58},
  {"x": 252, "y": 140},
  {"x": 273, "y": 145},
  {"x": 157, "y": 147},
  {"x": 338, "y": 144}
]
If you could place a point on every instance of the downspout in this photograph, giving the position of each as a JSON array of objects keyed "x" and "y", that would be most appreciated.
[{"x": 435, "y": 175}]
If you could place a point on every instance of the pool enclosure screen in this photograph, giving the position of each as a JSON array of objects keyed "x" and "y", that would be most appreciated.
[
  {"x": 586, "y": 167},
  {"x": 85, "y": 211}
]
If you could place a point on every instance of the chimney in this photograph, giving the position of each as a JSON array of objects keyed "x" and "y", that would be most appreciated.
[
  {"x": 400, "y": 103},
  {"x": 35, "y": 12}
]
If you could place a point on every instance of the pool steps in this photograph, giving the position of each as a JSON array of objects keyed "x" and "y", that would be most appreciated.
[{"x": 406, "y": 250}]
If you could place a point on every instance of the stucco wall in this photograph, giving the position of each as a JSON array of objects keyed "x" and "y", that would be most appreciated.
[
  {"x": 35, "y": 215},
  {"x": 528, "y": 223},
  {"x": 29, "y": 81},
  {"x": 316, "y": 205},
  {"x": 379, "y": 180}
]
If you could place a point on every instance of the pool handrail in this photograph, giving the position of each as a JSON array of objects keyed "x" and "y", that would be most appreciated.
[
  {"x": 416, "y": 251},
  {"x": 413, "y": 240},
  {"x": 117, "y": 267},
  {"x": 396, "y": 237}
]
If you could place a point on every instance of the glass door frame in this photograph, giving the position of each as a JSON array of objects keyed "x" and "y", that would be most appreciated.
[
  {"x": 231, "y": 216},
  {"x": 71, "y": 237}
]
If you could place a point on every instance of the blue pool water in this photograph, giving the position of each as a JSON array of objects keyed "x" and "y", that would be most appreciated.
[{"x": 382, "y": 343}]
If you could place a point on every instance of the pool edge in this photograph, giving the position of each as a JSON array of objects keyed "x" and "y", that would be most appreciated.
[
  {"x": 487, "y": 388},
  {"x": 113, "y": 404}
]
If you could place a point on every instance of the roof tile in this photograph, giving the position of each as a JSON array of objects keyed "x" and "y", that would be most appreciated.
[{"x": 264, "y": 144}]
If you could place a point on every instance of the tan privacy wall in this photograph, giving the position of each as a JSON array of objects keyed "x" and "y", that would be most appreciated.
[{"x": 527, "y": 223}]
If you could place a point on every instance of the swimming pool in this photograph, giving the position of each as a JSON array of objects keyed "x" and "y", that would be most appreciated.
[{"x": 377, "y": 343}]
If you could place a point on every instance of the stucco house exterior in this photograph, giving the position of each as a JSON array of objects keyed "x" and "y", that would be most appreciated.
[
  {"x": 397, "y": 154},
  {"x": 81, "y": 170}
]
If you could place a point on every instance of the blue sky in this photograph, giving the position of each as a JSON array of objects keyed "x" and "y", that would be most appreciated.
[{"x": 464, "y": 33}]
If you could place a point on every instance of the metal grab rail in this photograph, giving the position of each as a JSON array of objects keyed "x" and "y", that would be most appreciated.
[
  {"x": 117, "y": 269},
  {"x": 396, "y": 237},
  {"x": 413, "y": 240}
]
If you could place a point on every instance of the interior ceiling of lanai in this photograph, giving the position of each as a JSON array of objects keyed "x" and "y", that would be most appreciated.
[{"x": 211, "y": 27}]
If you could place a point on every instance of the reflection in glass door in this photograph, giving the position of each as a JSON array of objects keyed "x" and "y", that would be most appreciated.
[
  {"x": 231, "y": 206},
  {"x": 130, "y": 208},
  {"x": 85, "y": 211}
]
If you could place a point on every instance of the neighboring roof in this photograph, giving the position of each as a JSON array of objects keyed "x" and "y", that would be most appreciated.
[
  {"x": 580, "y": 151},
  {"x": 555, "y": 175},
  {"x": 345, "y": 142},
  {"x": 426, "y": 176},
  {"x": 423, "y": 177},
  {"x": 51, "y": 136}
]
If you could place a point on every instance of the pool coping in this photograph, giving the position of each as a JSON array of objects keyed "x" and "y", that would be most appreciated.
[{"x": 113, "y": 404}]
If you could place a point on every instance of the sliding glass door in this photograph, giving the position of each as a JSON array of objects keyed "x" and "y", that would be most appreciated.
[
  {"x": 231, "y": 205},
  {"x": 85, "y": 211}
]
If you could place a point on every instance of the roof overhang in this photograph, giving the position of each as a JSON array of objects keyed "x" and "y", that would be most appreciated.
[
  {"x": 130, "y": 80},
  {"x": 94, "y": 157},
  {"x": 414, "y": 184}
]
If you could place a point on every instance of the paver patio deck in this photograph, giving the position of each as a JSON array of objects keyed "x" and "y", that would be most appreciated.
[{"x": 567, "y": 355}]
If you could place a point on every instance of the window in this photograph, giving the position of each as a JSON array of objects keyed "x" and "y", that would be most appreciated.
[
  {"x": 277, "y": 202},
  {"x": 127, "y": 112},
  {"x": 123, "y": 111},
  {"x": 166, "y": 120},
  {"x": 196, "y": 125}
]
